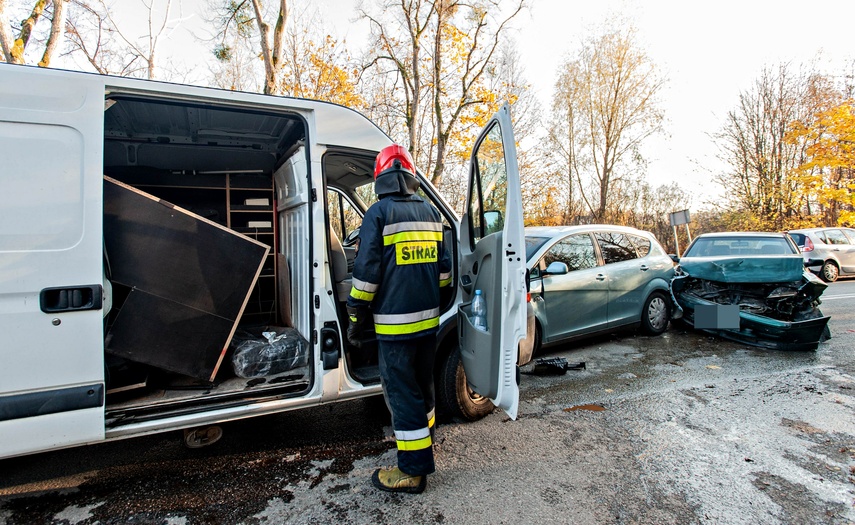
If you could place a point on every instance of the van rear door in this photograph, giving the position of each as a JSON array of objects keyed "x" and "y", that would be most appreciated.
[
  {"x": 52, "y": 373},
  {"x": 492, "y": 259}
]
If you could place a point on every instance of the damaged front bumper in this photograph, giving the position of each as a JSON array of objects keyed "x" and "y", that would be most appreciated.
[
  {"x": 777, "y": 300},
  {"x": 759, "y": 330}
]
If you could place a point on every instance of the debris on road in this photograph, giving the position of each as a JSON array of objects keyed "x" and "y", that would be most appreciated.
[{"x": 554, "y": 366}]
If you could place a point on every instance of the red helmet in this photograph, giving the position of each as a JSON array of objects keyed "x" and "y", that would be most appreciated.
[{"x": 394, "y": 156}]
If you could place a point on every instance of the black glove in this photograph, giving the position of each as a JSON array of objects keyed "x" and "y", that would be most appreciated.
[{"x": 357, "y": 316}]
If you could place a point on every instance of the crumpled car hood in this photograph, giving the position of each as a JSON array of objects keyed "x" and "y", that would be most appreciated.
[{"x": 771, "y": 269}]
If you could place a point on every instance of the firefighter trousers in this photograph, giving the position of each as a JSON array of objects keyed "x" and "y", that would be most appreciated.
[{"x": 406, "y": 372}]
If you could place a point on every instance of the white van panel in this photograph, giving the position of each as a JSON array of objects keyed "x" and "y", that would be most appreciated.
[
  {"x": 46, "y": 214},
  {"x": 50, "y": 237},
  {"x": 54, "y": 431}
]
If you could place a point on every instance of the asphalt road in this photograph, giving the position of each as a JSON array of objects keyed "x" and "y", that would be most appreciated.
[{"x": 693, "y": 429}]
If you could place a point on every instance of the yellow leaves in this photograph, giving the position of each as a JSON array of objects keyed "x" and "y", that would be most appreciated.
[
  {"x": 313, "y": 71},
  {"x": 828, "y": 173}
]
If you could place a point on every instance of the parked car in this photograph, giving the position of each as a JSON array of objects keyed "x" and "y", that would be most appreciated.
[
  {"x": 591, "y": 279},
  {"x": 752, "y": 288},
  {"x": 827, "y": 252}
]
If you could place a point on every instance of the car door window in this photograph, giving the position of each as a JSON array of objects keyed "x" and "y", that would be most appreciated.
[
  {"x": 615, "y": 247},
  {"x": 642, "y": 245},
  {"x": 576, "y": 251},
  {"x": 850, "y": 233},
  {"x": 490, "y": 187},
  {"x": 835, "y": 237},
  {"x": 344, "y": 217}
]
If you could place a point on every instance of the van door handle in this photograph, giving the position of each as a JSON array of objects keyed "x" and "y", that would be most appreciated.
[
  {"x": 601, "y": 277},
  {"x": 70, "y": 299}
]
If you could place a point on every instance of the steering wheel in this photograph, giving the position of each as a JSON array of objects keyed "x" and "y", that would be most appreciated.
[{"x": 351, "y": 238}]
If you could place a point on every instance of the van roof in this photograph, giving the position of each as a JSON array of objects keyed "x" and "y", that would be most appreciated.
[{"x": 331, "y": 124}]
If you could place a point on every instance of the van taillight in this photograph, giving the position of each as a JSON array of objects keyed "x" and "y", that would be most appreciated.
[
  {"x": 528, "y": 297},
  {"x": 808, "y": 247}
]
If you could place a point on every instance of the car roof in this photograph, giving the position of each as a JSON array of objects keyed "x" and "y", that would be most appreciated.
[
  {"x": 813, "y": 230},
  {"x": 552, "y": 231},
  {"x": 741, "y": 234}
]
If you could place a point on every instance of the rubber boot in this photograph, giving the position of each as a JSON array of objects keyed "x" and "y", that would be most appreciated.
[{"x": 392, "y": 479}]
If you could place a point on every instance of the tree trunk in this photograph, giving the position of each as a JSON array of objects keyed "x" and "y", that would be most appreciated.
[
  {"x": 5, "y": 37},
  {"x": 26, "y": 31},
  {"x": 272, "y": 57},
  {"x": 56, "y": 32}
]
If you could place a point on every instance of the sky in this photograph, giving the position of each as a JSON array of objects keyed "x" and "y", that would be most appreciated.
[{"x": 708, "y": 53}]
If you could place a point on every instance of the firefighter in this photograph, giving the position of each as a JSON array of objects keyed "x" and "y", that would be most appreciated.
[{"x": 397, "y": 275}]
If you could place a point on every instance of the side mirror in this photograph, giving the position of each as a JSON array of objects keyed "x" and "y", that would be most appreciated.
[
  {"x": 493, "y": 222},
  {"x": 674, "y": 258},
  {"x": 557, "y": 268}
]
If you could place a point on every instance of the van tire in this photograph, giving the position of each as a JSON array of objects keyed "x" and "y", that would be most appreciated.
[{"x": 455, "y": 398}]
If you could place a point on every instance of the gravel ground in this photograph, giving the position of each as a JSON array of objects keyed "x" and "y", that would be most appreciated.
[{"x": 692, "y": 429}]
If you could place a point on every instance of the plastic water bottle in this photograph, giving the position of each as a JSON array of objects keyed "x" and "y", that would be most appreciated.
[{"x": 479, "y": 311}]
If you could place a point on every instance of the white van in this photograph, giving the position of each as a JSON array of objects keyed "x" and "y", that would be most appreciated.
[{"x": 147, "y": 230}]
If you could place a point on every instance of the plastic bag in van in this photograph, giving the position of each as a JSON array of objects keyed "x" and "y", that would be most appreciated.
[{"x": 268, "y": 351}]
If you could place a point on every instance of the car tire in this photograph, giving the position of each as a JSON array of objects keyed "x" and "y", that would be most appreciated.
[
  {"x": 538, "y": 338},
  {"x": 655, "y": 314},
  {"x": 829, "y": 272},
  {"x": 456, "y": 399}
]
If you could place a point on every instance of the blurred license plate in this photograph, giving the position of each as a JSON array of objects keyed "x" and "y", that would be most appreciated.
[{"x": 717, "y": 316}]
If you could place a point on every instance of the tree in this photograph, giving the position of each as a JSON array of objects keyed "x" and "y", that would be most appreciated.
[
  {"x": 437, "y": 54},
  {"x": 762, "y": 182},
  {"x": 604, "y": 107},
  {"x": 114, "y": 48},
  {"x": 828, "y": 171},
  {"x": 309, "y": 64},
  {"x": 237, "y": 17},
  {"x": 14, "y": 50},
  {"x": 315, "y": 65}
]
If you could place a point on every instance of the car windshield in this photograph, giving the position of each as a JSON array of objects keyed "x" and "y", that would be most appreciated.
[
  {"x": 739, "y": 246},
  {"x": 532, "y": 244}
]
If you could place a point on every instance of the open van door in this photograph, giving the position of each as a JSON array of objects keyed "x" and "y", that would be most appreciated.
[
  {"x": 51, "y": 260},
  {"x": 492, "y": 259}
]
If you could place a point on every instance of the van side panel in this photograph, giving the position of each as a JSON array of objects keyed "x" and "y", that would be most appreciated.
[{"x": 51, "y": 270}]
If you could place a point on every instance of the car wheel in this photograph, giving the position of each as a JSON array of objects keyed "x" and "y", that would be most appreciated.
[
  {"x": 455, "y": 396},
  {"x": 538, "y": 338},
  {"x": 829, "y": 272},
  {"x": 655, "y": 314}
]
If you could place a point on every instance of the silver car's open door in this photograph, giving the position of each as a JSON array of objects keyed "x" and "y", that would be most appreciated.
[{"x": 492, "y": 259}]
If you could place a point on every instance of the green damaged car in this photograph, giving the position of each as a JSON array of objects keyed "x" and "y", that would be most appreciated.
[{"x": 752, "y": 288}]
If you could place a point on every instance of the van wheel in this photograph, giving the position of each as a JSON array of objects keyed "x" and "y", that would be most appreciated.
[
  {"x": 829, "y": 272},
  {"x": 455, "y": 396},
  {"x": 202, "y": 436},
  {"x": 655, "y": 314}
]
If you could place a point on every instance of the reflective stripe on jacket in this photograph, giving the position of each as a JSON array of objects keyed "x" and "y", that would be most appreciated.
[{"x": 401, "y": 264}]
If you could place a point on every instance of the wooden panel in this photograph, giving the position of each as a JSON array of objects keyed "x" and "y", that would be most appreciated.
[
  {"x": 170, "y": 335},
  {"x": 179, "y": 262}
]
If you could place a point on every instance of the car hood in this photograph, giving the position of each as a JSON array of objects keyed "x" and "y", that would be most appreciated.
[{"x": 735, "y": 269}]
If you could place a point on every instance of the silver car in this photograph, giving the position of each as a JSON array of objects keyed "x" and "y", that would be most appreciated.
[
  {"x": 828, "y": 252},
  {"x": 591, "y": 279}
]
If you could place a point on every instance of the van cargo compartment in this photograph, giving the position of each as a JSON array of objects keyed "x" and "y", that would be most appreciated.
[{"x": 189, "y": 281}]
